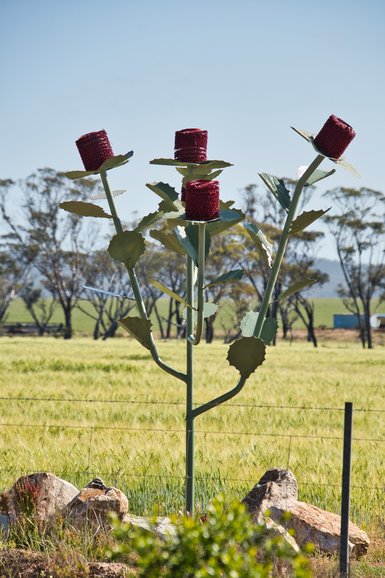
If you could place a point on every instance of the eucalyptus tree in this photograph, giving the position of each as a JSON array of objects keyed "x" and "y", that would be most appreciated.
[{"x": 358, "y": 229}]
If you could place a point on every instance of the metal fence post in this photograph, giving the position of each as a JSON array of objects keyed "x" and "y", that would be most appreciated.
[{"x": 345, "y": 502}]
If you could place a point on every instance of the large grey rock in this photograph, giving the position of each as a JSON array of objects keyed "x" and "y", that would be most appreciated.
[
  {"x": 276, "y": 494},
  {"x": 94, "y": 504},
  {"x": 41, "y": 495}
]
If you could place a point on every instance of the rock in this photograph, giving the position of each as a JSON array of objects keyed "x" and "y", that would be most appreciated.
[
  {"x": 277, "y": 493},
  {"x": 95, "y": 503},
  {"x": 275, "y": 529},
  {"x": 276, "y": 487},
  {"x": 161, "y": 526},
  {"x": 320, "y": 528},
  {"x": 42, "y": 495}
]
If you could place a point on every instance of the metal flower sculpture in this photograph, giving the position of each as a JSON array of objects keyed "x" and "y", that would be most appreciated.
[{"x": 190, "y": 223}]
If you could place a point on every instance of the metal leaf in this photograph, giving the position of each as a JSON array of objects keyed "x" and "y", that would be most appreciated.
[
  {"x": 74, "y": 175},
  {"x": 269, "y": 327},
  {"x": 127, "y": 247},
  {"x": 169, "y": 241},
  {"x": 228, "y": 277},
  {"x": 192, "y": 232},
  {"x": 190, "y": 248},
  {"x": 305, "y": 219},
  {"x": 246, "y": 354},
  {"x": 303, "y": 133},
  {"x": 149, "y": 220},
  {"x": 347, "y": 166},
  {"x": 138, "y": 328},
  {"x": 278, "y": 188},
  {"x": 115, "y": 161},
  {"x": 102, "y": 194},
  {"x": 227, "y": 218},
  {"x": 166, "y": 192},
  {"x": 296, "y": 287},
  {"x": 169, "y": 292},
  {"x": 107, "y": 293},
  {"x": 318, "y": 175},
  {"x": 84, "y": 209},
  {"x": 210, "y": 165},
  {"x": 209, "y": 309},
  {"x": 261, "y": 242}
]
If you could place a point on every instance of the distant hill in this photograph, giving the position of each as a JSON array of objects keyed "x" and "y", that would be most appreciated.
[{"x": 333, "y": 269}]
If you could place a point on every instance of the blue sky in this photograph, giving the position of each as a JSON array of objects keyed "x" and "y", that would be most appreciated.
[{"x": 245, "y": 71}]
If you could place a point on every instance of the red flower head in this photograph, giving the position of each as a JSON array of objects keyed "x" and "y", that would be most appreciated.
[
  {"x": 94, "y": 148},
  {"x": 191, "y": 145},
  {"x": 202, "y": 200},
  {"x": 334, "y": 137}
]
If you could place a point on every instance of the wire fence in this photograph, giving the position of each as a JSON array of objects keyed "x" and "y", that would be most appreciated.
[{"x": 368, "y": 509}]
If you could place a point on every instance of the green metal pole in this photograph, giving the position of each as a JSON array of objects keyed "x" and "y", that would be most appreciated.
[
  {"x": 190, "y": 391},
  {"x": 201, "y": 280}
]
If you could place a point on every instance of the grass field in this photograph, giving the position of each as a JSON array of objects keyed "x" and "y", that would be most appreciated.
[
  {"x": 130, "y": 432},
  {"x": 83, "y": 324}
]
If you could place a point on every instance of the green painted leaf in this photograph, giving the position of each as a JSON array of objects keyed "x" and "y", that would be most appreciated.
[
  {"x": 227, "y": 218},
  {"x": 192, "y": 232},
  {"x": 169, "y": 292},
  {"x": 210, "y": 165},
  {"x": 209, "y": 309},
  {"x": 228, "y": 277},
  {"x": 166, "y": 192},
  {"x": 73, "y": 175},
  {"x": 138, "y": 328},
  {"x": 149, "y": 220},
  {"x": 115, "y": 161},
  {"x": 126, "y": 247},
  {"x": 347, "y": 166},
  {"x": 296, "y": 287},
  {"x": 246, "y": 354},
  {"x": 169, "y": 241},
  {"x": 318, "y": 176},
  {"x": 84, "y": 209},
  {"x": 225, "y": 204},
  {"x": 261, "y": 242},
  {"x": 305, "y": 219},
  {"x": 269, "y": 327},
  {"x": 269, "y": 330},
  {"x": 303, "y": 133},
  {"x": 186, "y": 243},
  {"x": 278, "y": 188}
]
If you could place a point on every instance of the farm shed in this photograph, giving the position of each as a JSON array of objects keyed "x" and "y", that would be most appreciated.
[
  {"x": 345, "y": 321},
  {"x": 377, "y": 321}
]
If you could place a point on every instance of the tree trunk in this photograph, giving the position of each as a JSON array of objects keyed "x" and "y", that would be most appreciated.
[
  {"x": 209, "y": 333},
  {"x": 67, "y": 323}
]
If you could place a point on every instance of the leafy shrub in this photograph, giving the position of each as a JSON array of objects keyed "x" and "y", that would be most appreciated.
[{"x": 224, "y": 544}]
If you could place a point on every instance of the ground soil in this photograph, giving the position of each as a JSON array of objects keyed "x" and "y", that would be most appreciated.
[{"x": 28, "y": 564}]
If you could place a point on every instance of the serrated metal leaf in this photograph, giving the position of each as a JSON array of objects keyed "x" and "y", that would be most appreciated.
[
  {"x": 341, "y": 162},
  {"x": 246, "y": 354},
  {"x": 169, "y": 241},
  {"x": 192, "y": 232},
  {"x": 305, "y": 219},
  {"x": 227, "y": 218},
  {"x": 228, "y": 277},
  {"x": 138, "y": 328},
  {"x": 127, "y": 247},
  {"x": 278, "y": 188},
  {"x": 303, "y": 133},
  {"x": 184, "y": 239},
  {"x": 169, "y": 292},
  {"x": 166, "y": 192},
  {"x": 149, "y": 220},
  {"x": 85, "y": 209},
  {"x": 296, "y": 287},
  {"x": 318, "y": 175},
  {"x": 74, "y": 175},
  {"x": 268, "y": 331},
  {"x": 210, "y": 165},
  {"x": 261, "y": 241}
]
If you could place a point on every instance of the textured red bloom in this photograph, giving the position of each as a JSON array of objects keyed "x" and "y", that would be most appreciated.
[
  {"x": 94, "y": 148},
  {"x": 334, "y": 137},
  {"x": 202, "y": 200},
  {"x": 191, "y": 145}
]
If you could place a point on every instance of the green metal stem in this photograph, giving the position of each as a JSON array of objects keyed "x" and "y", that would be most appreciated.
[
  {"x": 135, "y": 285},
  {"x": 201, "y": 281},
  {"x": 220, "y": 399},
  {"x": 190, "y": 391},
  {"x": 282, "y": 244}
]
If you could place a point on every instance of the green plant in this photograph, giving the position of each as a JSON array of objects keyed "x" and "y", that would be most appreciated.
[{"x": 224, "y": 543}]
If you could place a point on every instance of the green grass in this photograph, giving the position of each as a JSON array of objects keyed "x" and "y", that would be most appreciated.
[
  {"x": 132, "y": 433},
  {"x": 83, "y": 324}
]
